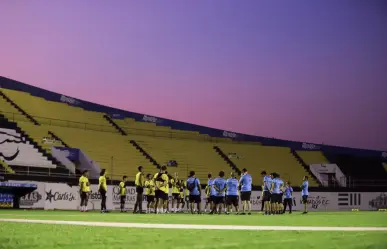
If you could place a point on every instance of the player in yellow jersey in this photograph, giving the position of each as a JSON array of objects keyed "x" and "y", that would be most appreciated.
[
  {"x": 150, "y": 193},
  {"x": 140, "y": 181},
  {"x": 161, "y": 183},
  {"x": 175, "y": 193},
  {"x": 102, "y": 188},
  {"x": 170, "y": 180},
  {"x": 123, "y": 193},
  {"x": 181, "y": 195},
  {"x": 84, "y": 190}
]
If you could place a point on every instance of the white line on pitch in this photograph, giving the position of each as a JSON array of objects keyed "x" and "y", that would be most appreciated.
[{"x": 200, "y": 227}]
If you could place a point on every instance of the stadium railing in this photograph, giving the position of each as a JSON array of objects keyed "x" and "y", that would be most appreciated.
[{"x": 355, "y": 183}]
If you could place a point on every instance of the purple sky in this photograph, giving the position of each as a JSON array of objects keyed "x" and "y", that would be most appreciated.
[{"x": 311, "y": 71}]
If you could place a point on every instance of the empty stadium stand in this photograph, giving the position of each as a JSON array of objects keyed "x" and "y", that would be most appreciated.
[
  {"x": 58, "y": 114},
  {"x": 359, "y": 168},
  {"x": 40, "y": 134},
  {"x": 110, "y": 151},
  {"x": 130, "y": 126},
  {"x": 257, "y": 158},
  {"x": 122, "y": 144},
  {"x": 313, "y": 157},
  {"x": 189, "y": 155},
  {"x": 11, "y": 112},
  {"x": 23, "y": 156}
]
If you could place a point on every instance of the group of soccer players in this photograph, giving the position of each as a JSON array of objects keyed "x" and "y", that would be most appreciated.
[
  {"x": 277, "y": 196},
  {"x": 222, "y": 195}
]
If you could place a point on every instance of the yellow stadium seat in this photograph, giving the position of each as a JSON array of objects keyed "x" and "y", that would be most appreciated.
[
  {"x": 313, "y": 157},
  {"x": 58, "y": 114},
  {"x": 198, "y": 156},
  {"x": 257, "y": 158},
  {"x": 131, "y": 126},
  {"x": 10, "y": 112},
  {"x": 91, "y": 133},
  {"x": 110, "y": 151},
  {"x": 38, "y": 133}
]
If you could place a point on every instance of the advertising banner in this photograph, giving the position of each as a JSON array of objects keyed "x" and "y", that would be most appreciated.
[
  {"x": 114, "y": 198},
  {"x": 61, "y": 196},
  {"x": 318, "y": 201},
  {"x": 362, "y": 201},
  {"x": 35, "y": 199},
  {"x": 65, "y": 197}
]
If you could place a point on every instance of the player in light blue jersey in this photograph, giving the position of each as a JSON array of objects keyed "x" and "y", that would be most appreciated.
[
  {"x": 288, "y": 200},
  {"x": 220, "y": 190},
  {"x": 232, "y": 193},
  {"x": 276, "y": 186},
  {"x": 267, "y": 181},
  {"x": 193, "y": 186},
  {"x": 210, "y": 193},
  {"x": 282, "y": 188},
  {"x": 305, "y": 193},
  {"x": 246, "y": 184}
]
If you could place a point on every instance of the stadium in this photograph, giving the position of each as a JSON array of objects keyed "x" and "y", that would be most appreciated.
[
  {"x": 48, "y": 139},
  {"x": 193, "y": 124}
]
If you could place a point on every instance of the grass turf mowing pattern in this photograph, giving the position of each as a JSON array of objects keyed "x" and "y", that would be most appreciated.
[
  {"x": 337, "y": 219},
  {"x": 43, "y": 236}
]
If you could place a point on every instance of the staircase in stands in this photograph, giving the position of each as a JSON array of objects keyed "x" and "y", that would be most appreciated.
[
  {"x": 304, "y": 165},
  {"x": 228, "y": 161},
  {"x": 146, "y": 154},
  {"x": 111, "y": 122},
  {"x": 18, "y": 108}
]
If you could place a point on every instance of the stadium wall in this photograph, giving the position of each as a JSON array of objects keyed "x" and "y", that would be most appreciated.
[
  {"x": 59, "y": 196},
  {"x": 121, "y": 114}
]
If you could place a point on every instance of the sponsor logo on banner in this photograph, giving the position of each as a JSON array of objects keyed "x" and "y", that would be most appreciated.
[
  {"x": 349, "y": 199},
  {"x": 130, "y": 200},
  {"x": 34, "y": 199},
  {"x": 317, "y": 202},
  {"x": 150, "y": 119},
  {"x": 256, "y": 201},
  {"x": 59, "y": 196},
  {"x": 63, "y": 196},
  {"x": 30, "y": 199},
  {"x": 69, "y": 100},
  {"x": 229, "y": 134},
  {"x": 116, "y": 115},
  {"x": 308, "y": 146},
  {"x": 380, "y": 202}
]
